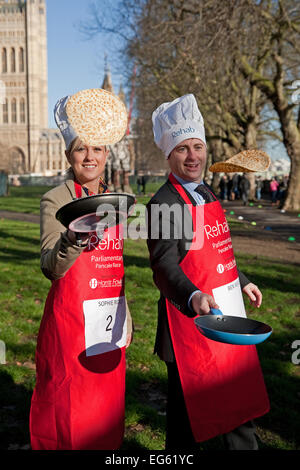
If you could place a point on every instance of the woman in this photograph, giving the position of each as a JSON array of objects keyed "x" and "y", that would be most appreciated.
[
  {"x": 78, "y": 401},
  {"x": 274, "y": 189}
]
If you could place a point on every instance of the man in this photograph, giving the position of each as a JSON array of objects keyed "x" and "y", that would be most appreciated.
[
  {"x": 244, "y": 189},
  {"x": 213, "y": 388}
]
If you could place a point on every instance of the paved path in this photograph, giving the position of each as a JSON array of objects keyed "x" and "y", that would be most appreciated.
[
  {"x": 270, "y": 220},
  {"x": 267, "y": 218},
  {"x": 269, "y": 237},
  {"x": 35, "y": 218}
]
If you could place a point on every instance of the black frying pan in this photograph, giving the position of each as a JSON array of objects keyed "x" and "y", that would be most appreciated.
[{"x": 85, "y": 214}]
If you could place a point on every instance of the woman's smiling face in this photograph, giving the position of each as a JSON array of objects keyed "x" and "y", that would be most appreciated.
[{"x": 88, "y": 162}]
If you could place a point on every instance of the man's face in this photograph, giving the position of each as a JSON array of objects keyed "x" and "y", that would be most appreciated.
[{"x": 187, "y": 160}]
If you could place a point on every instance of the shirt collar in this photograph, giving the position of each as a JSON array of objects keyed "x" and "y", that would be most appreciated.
[{"x": 188, "y": 184}]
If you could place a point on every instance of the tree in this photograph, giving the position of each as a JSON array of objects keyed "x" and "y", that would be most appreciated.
[
  {"x": 281, "y": 66},
  {"x": 237, "y": 57}
]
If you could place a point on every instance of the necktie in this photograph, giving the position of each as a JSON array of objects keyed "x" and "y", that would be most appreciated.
[{"x": 205, "y": 193}]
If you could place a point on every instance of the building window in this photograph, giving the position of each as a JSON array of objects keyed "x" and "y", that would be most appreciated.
[
  {"x": 14, "y": 110},
  {"x": 21, "y": 59},
  {"x": 4, "y": 60},
  {"x": 22, "y": 110},
  {"x": 5, "y": 111},
  {"x": 12, "y": 60}
]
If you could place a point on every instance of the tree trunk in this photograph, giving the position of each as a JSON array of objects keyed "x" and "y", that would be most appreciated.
[
  {"x": 276, "y": 93},
  {"x": 291, "y": 139},
  {"x": 216, "y": 149},
  {"x": 292, "y": 201},
  {"x": 250, "y": 142}
]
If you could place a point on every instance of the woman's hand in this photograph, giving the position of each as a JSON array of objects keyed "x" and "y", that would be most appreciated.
[
  {"x": 254, "y": 294},
  {"x": 72, "y": 237}
]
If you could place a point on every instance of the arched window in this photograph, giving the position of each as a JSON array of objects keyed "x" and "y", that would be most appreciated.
[
  {"x": 4, "y": 60},
  {"x": 22, "y": 110},
  {"x": 17, "y": 161},
  {"x": 5, "y": 111},
  {"x": 14, "y": 110},
  {"x": 21, "y": 59},
  {"x": 12, "y": 60}
]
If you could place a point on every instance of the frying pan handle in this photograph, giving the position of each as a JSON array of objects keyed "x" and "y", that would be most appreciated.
[{"x": 215, "y": 311}]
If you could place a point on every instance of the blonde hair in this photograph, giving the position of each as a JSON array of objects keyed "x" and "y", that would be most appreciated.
[
  {"x": 76, "y": 144},
  {"x": 73, "y": 146}
]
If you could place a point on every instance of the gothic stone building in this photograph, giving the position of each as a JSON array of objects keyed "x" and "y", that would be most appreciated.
[{"x": 26, "y": 143}]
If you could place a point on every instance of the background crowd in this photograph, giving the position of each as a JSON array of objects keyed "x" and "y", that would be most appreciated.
[{"x": 237, "y": 186}]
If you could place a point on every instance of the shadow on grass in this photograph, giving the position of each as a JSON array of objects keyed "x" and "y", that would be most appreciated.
[
  {"x": 28, "y": 191},
  {"x": 146, "y": 398},
  {"x": 18, "y": 234},
  {"x": 270, "y": 278},
  {"x": 14, "y": 412},
  {"x": 138, "y": 261},
  {"x": 19, "y": 255},
  {"x": 146, "y": 403}
]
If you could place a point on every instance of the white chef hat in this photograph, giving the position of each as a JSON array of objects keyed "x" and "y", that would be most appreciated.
[
  {"x": 62, "y": 121},
  {"x": 176, "y": 121}
]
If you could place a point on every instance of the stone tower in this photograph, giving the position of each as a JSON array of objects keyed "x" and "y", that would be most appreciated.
[{"x": 26, "y": 143}]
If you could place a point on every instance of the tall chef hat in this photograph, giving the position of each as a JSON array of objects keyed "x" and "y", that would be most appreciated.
[
  {"x": 176, "y": 121},
  {"x": 96, "y": 116}
]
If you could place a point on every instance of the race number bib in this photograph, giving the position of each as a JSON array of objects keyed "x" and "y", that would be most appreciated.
[
  {"x": 230, "y": 299},
  {"x": 105, "y": 325}
]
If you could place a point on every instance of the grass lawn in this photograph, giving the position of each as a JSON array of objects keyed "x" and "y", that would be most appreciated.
[
  {"x": 23, "y": 290},
  {"x": 23, "y": 199},
  {"x": 26, "y": 199}
]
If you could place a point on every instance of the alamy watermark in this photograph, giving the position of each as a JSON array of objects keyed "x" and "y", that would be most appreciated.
[
  {"x": 159, "y": 221},
  {"x": 296, "y": 354},
  {"x": 2, "y": 352}
]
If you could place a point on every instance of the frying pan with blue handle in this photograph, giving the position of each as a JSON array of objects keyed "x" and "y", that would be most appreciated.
[{"x": 232, "y": 329}]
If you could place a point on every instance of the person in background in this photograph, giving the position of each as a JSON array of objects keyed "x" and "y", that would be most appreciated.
[
  {"x": 258, "y": 188},
  {"x": 244, "y": 189},
  {"x": 139, "y": 184},
  {"x": 223, "y": 187},
  {"x": 230, "y": 193},
  {"x": 273, "y": 190},
  {"x": 281, "y": 191},
  {"x": 144, "y": 184},
  {"x": 235, "y": 186}
]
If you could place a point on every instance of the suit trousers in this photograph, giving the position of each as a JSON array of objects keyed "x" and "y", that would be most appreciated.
[{"x": 178, "y": 430}]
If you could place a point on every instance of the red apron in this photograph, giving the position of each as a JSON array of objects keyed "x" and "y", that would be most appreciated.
[
  {"x": 79, "y": 399},
  {"x": 223, "y": 385}
]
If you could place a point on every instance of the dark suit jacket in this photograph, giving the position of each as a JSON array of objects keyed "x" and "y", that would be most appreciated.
[{"x": 165, "y": 257}]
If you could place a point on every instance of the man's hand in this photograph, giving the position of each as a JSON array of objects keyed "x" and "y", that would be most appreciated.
[
  {"x": 202, "y": 303},
  {"x": 254, "y": 294}
]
